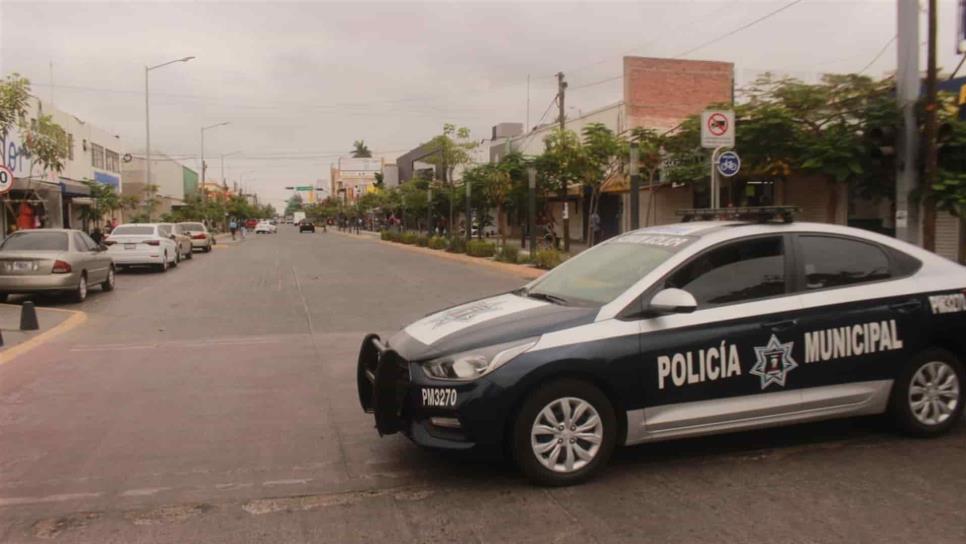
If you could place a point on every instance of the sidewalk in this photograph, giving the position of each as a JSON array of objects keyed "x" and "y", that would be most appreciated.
[
  {"x": 521, "y": 270},
  {"x": 10, "y": 325}
]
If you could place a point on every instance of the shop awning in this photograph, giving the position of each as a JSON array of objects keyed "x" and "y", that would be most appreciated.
[{"x": 72, "y": 188}]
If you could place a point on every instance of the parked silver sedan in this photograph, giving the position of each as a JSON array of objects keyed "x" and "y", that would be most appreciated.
[{"x": 53, "y": 261}]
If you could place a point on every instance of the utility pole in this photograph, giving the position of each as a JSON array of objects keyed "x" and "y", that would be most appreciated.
[
  {"x": 532, "y": 209},
  {"x": 907, "y": 141},
  {"x": 931, "y": 170},
  {"x": 635, "y": 186},
  {"x": 562, "y": 120}
]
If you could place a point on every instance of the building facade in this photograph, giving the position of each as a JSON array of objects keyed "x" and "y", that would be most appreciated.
[
  {"x": 171, "y": 181},
  {"x": 350, "y": 177},
  {"x": 41, "y": 198}
]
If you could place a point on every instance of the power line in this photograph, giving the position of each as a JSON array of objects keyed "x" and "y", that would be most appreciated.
[
  {"x": 879, "y": 54},
  {"x": 739, "y": 29},
  {"x": 703, "y": 45}
]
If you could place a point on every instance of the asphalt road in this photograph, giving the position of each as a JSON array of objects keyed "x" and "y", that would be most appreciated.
[{"x": 217, "y": 403}]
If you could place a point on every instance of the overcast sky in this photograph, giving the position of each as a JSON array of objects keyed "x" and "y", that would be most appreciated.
[{"x": 300, "y": 81}]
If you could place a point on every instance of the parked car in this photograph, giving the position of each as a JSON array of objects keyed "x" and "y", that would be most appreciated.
[
  {"x": 251, "y": 223},
  {"x": 53, "y": 261},
  {"x": 306, "y": 226},
  {"x": 183, "y": 240},
  {"x": 139, "y": 244},
  {"x": 264, "y": 227},
  {"x": 680, "y": 331},
  {"x": 200, "y": 237}
]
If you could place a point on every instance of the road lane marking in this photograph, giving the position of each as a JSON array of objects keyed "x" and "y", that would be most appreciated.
[
  {"x": 212, "y": 342},
  {"x": 16, "y": 501},
  {"x": 76, "y": 319}
]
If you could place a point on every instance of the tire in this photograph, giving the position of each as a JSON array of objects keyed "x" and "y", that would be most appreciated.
[
  {"x": 932, "y": 374},
  {"x": 163, "y": 267},
  {"x": 552, "y": 397},
  {"x": 80, "y": 293},
  {"x": 207, "y": 248},
  {"x": 177, "y": 258},
  {"x": 4, "y": 297},
  {"x": 108, "y": 284}
]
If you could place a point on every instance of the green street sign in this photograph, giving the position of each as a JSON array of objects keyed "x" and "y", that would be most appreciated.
[{"x": 304, "y": 188}]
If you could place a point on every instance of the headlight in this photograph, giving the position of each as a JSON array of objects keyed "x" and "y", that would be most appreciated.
[{"x": 473, "y": 364}]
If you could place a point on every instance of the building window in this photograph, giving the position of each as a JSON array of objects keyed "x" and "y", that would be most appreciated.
[
  {"x": 111, "y": 162},
  {"x": 97, "y": 156}
]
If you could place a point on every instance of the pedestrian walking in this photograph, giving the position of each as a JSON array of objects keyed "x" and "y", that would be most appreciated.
[{"x": 233, "y": 227}]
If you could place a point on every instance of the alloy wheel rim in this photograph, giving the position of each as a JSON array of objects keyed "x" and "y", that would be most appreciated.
[
  {"x": 566, "y": 435},
  {"x": 82, "y": 288},
  {"x": 934, "y": 393}
]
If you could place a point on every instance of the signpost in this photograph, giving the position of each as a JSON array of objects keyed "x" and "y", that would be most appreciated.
[
  {"x": 717, "y": 128},
  {"x": 717, "y": 133},
  {"x": 728, "y": 164},
  {"x": 6, "y": 180}
]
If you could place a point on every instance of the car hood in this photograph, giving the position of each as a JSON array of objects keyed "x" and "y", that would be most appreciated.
[{"x": 485, "y": 322}]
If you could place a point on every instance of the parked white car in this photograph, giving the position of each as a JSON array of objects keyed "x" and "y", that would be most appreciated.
[
  {"x": 266, "y": 228},
  {"x": 140, "y": 244}
]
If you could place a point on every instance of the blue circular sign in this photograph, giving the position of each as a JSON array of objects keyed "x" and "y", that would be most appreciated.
[{"x": 729, "y": 164}]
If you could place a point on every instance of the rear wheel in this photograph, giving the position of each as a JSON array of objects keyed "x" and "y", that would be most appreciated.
[
  {"x": 108, "y": 284},
  {"x": 80, "y": 293},
  {"x": 927, "y": 399},
  {"x": 190, "y": 254},
  {"x": 564, "y": 433}
]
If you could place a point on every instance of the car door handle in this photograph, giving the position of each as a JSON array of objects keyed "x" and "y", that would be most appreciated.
[
  {"x": 779, "y": 325},
  {"x": 907, "y": 306}
]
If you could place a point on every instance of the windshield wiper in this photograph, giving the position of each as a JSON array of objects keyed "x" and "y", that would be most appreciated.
[{"x": 547, "y": 296}]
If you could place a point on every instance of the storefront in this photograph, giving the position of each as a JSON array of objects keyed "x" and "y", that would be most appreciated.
[{"x": 31, "y": 204}]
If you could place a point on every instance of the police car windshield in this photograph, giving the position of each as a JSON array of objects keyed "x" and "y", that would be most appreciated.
[{"x": 598, "y": 276}]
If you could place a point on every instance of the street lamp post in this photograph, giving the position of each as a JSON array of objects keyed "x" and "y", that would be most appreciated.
[
  {"x": 147, "y": 116},
  {"x": 204, "y": 193}
]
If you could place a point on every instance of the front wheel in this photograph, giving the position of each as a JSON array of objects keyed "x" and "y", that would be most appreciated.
[
  {"x": 163, "y": 267},
  {"x": 927, "y": 399},
  {"x": 564, "y": 433}
]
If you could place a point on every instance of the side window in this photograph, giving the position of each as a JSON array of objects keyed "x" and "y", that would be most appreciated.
[
  {"x": 832, "y": 262},
  {"x": 736, "y": 272},
  {"x": 79, "y": 243},
  {"x": 164, "y": 231},
  {"x": 91, "y": 244}
]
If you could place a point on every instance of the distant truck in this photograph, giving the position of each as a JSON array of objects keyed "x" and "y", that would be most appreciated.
[{"x": 297, "y": 217}]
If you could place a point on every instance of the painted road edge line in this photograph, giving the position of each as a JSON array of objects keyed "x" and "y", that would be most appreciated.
[
  {"x": 75, "y": 320},
  {"x": 507, "y": 268}
]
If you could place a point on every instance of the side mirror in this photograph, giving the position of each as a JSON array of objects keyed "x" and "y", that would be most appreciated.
[{"x": 673, "y": 301}]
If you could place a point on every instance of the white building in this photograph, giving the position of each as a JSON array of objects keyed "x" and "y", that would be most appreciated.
[{"x": 54, "y": 199}]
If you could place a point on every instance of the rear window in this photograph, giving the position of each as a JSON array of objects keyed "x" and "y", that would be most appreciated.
[
  {"x": 35, "y": 240},
  {"x": 134, "y": 229}
]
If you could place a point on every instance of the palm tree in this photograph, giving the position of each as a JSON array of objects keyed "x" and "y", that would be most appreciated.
[{"x": 360, "y": 151}]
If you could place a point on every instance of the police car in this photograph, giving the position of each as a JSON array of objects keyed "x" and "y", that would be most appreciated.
[{"x": 678, "y": 331}]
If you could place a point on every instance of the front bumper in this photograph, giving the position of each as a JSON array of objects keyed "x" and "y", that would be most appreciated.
[
  {"x": 41, "y": 282},
  {"x": 433, "y": 413}
]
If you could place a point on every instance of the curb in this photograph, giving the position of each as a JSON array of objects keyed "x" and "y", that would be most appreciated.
[
  {"x": 527, "y": 272},
  {"x": 76, "y": 319}
]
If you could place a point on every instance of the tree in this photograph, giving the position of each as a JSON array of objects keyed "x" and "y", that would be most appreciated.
[
  {"x": 601, "y": 156},
  {"x": 294, "y": 204},
  {"x": 14, "y": 98},
  {"x": 106, "y": 201},
  {"x": 650, "y": 157},
  {"x": 360, "y": 150},
  {"x": 46, "y": 142},
  {"x": 949, "y": 192},
  {"x": 785, "y": 126},
  {"x": 448, "y": 151},
  {"x": 561, "y": 164}
]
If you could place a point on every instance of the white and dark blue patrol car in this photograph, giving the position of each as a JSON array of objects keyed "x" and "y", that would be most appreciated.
[{"x": 677, "y": 331}]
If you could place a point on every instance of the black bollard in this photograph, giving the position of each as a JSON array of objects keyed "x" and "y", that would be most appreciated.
[
  {"x": 1, "y": 339},
  {"x": 28, "y": 317}
]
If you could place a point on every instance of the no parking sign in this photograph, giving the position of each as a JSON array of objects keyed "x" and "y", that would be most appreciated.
[{"x": 6, "y": 180}]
